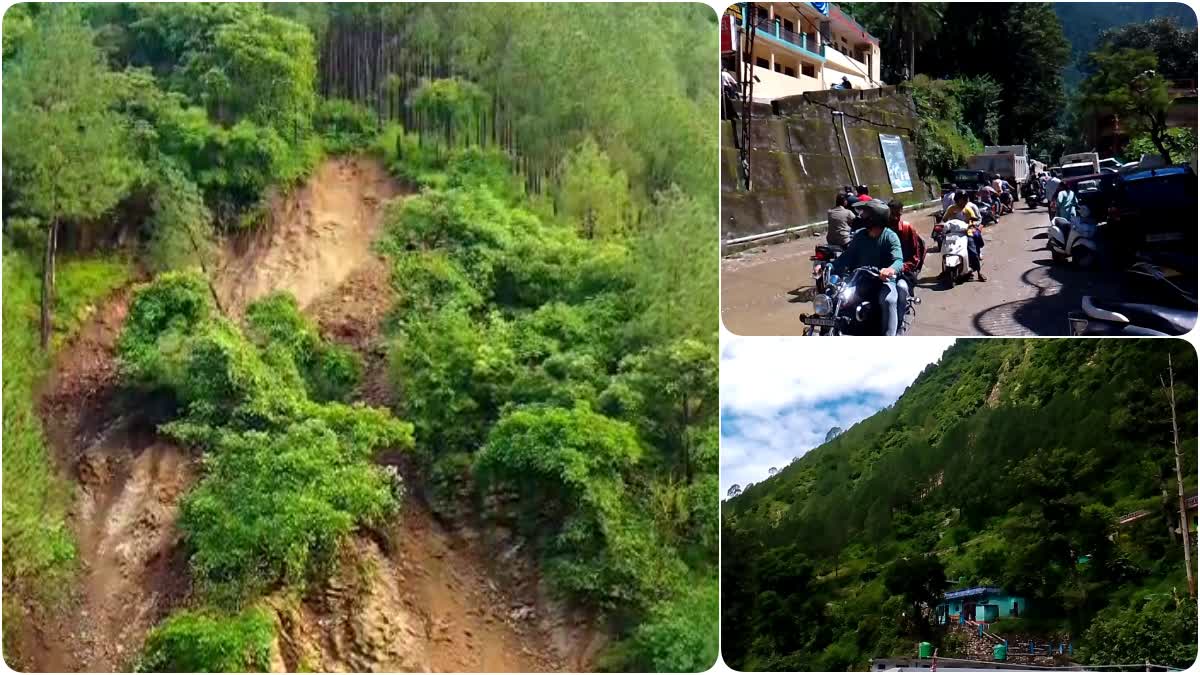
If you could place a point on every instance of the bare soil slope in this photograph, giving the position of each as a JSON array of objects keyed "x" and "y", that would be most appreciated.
[{"x": 316, "y": 235}]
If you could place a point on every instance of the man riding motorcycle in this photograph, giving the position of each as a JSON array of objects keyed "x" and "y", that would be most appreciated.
[
  {"x": 965, "y": 211},
  {"x": 841, "y": 220},
  {"x": 876, "y": 246}
]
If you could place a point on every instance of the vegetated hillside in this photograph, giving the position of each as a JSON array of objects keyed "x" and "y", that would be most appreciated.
[
  {"x": 548, "y": 365},
  {"x": 1082, "y": 22},
  {"x": 1003, "y": 464}
]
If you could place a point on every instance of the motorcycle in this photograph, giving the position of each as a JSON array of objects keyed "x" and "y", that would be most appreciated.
[
  {"x": 824, "y": 255},
  {"x": 954, "y": 253},
  {"x": 850, "y": 306},
  {"x": 1109, "y": 317},
  {"x": 1006, "y": 202},
  {"x": 987, "y": 215},
  {"x": 939, "y": 230}
]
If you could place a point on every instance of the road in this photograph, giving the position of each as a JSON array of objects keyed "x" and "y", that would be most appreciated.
[{"x": 764, "y": 291}]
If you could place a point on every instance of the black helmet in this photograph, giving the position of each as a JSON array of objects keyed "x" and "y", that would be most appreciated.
[
  {"x": 862, "y": 190},
  {"x": 874, "y": 213}
]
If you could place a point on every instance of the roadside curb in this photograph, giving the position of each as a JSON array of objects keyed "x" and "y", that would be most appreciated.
[{"x": 732, "y": 246}]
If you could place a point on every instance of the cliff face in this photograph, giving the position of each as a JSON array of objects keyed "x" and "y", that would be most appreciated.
[{"x": 798, "y": 157}]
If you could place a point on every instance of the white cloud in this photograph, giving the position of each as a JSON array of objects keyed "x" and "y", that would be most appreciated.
[{"x": 779, "y": 396}]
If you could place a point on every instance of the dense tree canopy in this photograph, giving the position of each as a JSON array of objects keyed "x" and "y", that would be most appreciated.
[{"x": 1006, "y": 463}]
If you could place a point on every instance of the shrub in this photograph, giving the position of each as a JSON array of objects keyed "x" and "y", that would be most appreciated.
[
  {"x": 272, "y": 508},
  {"x": 330, "y": 371},
  {"x": 344, "y": 126},
  {"x": 678, "y": 635},
  {"x": 210, "y": 642}
]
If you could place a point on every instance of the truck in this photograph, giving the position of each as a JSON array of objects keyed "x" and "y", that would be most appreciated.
[
  {"x": 1080, "y": 164},
  {"x": 1010, "y": 161}
]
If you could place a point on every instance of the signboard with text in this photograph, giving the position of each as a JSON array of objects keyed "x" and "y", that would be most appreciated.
[{"x": 897, "y": 165}]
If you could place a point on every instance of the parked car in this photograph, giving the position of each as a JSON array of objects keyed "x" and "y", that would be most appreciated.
[{"x": 1154, "y": 211}]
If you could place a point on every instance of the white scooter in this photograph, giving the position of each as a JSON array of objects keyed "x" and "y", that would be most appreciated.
[
  {"x": 954, "y": 252},
  {"x": 1075, "y": 240}
]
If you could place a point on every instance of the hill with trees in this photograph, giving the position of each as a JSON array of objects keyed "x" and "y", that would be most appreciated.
[
  {"x": 1008, "y": 463},
  {"x": 1084, "y": 24},
  {"x": 546, "y": 331}
]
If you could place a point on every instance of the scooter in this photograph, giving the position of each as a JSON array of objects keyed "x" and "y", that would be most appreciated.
[
  {"x": 1109, "y": 317},
  {"x": 1077, "y": 241},
  {"x": 954, "y": 253}
]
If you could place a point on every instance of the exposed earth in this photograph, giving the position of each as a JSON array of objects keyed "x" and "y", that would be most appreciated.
[{"x": 421, "y": 595}]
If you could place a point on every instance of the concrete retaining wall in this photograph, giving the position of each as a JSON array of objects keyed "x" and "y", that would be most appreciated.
[{"x": 798, "y": 158}]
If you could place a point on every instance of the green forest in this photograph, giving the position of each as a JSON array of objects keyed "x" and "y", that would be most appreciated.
[
  {"x": 552, "y": 335},
  {"x": 1034, "y": 73},
  {"x": 1007, "y": 463}
]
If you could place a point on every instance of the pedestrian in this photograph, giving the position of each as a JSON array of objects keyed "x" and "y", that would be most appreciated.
[
  {"x": 845, "y": 84},
  {"x": 1065, "y": 203},
  {"x": 730, "y": 90},
  {"x": 840, "y": 222}
]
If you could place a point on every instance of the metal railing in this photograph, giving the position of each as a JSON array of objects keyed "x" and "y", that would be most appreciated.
[{"x": 774, "y": 27}]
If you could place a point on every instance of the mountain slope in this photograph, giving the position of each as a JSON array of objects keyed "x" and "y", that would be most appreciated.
[
  {"x": 1003, "y": 463},
  {"x": 1082, "y": 22}
]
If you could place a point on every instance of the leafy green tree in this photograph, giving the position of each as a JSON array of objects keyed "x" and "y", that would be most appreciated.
[
  {"x": 1126, "y": 84},
  {"x": 1174, "y": 46},
  {"x": 592, "y": 194},
  {"x": 678, "y": 636},
  {"x": 920, "y": 581},
  {"x": 1158, "y": 632},
  {"x": 65, "y": 152}
]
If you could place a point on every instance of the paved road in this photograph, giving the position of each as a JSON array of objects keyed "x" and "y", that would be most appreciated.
[{"x": 765, "y": 290}]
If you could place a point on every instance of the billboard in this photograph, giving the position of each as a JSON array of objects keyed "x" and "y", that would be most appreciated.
[{"x": 897, "y": 165}]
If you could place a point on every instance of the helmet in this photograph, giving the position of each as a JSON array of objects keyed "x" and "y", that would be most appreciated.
[{"x": 874, "y": 213}]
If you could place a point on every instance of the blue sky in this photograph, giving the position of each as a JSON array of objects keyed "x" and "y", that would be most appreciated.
[{"x": 779, "y": 396}]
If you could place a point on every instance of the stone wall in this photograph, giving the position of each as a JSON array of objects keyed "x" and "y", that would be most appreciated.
[{"x": 798, "y": 159}]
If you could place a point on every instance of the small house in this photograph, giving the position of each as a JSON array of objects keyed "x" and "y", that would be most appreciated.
[{"x": 981, "y": 603}]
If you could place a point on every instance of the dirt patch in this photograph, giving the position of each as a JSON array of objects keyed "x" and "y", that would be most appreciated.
[
  {"x": 128, "y": 485},
  {"x": 315, "y": 237},
  {"x": 353, "y": 314}
]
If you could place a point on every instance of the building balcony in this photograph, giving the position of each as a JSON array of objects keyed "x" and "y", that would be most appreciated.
[{"x": 773, "y": 30}]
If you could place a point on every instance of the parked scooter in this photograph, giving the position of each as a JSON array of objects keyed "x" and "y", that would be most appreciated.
[
  {"x": 1077, "y": 241},
  {"x": 1109, "y": 317},
  {"x": 850, "y": 306},
  {"x": 954, "y": 253}
]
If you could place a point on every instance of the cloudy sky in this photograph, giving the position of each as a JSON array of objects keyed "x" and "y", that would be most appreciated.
[{"x": 779, "y": 396}]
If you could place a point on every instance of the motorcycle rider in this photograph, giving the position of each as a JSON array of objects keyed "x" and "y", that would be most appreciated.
[
  {"x": 863, "y": 195},
  {"x": 947, "y": 196},
  {"x": 841, "y": 220},
  {"x": 910, "y": 248},
  {"x": 965, "y": 211},
  {"x": 876, "y": 246}
]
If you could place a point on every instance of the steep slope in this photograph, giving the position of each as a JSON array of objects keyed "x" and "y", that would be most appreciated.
[
  {"x": 417, "y": 595},
  {"x": 1003, "y": 464}
]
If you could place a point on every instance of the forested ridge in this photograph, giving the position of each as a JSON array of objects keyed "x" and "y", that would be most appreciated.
[
  {"x": 550, "y": 334},
  {"x": 1007, "y": 463}
]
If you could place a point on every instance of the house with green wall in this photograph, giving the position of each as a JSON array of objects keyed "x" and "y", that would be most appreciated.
[{"x": 981, "y": 603}]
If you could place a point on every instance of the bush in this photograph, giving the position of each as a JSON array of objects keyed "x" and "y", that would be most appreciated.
[
  {"x": 566, "y": 465},
  {"x": 1162, "y": 631},
  {"x": 330, "y": 371},
  {"x": 426, "y": 281},
  {"x": 272, "y": 508},
  {"x": 344, "y": 126},
  {"x": 209, "y": 642},
  {"x": 678, "y": 635}
]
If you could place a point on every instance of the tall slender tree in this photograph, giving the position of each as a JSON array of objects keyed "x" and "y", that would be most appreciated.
[{"x": 64, "y": 145}]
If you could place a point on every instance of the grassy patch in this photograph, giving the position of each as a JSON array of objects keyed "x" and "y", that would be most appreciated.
[{"x": 38, "y": 548}]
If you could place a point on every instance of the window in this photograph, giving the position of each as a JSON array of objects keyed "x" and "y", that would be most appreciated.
[
  {"x": 790, "y": 72},
  {"x": 762, "y": 63},
  {"x": 789, "y": 26},
  {"x": 808, "y": 70}
]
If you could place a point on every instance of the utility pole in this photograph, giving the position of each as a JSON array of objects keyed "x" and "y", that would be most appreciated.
[
  {"x": 1183, "y": 519},
  {"x": 750, "y": 22}
]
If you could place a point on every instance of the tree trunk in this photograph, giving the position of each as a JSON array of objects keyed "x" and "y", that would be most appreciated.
[{"x": 48, "y": 281}]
